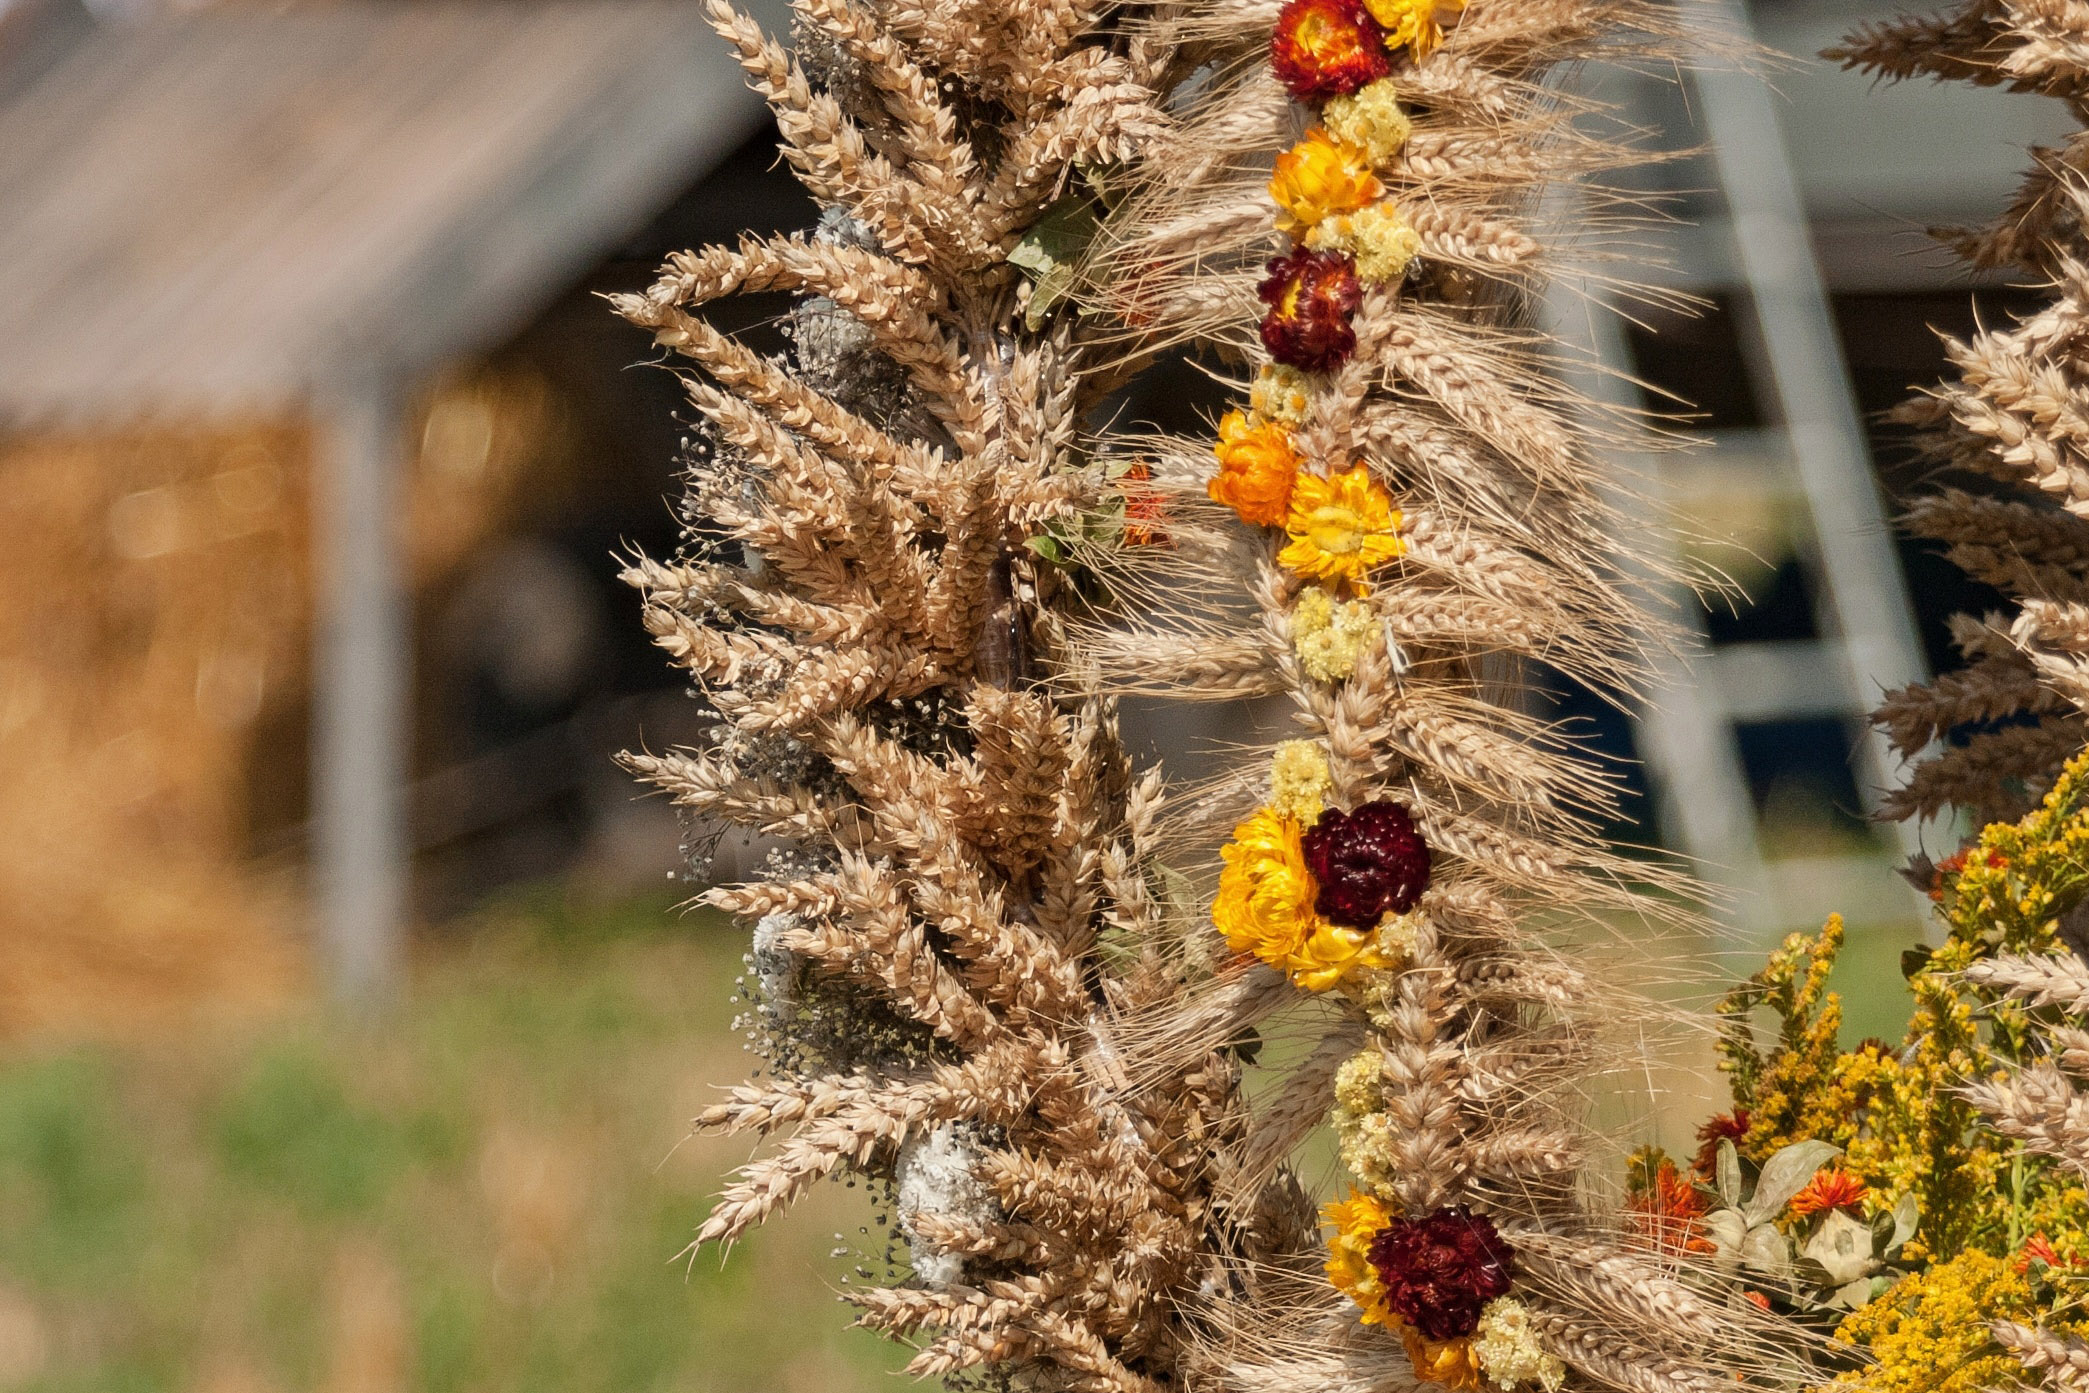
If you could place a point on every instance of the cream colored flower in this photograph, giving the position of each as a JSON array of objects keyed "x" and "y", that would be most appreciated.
[
  {"x": 1377, "y": 238},
  {"x": 1508, "y": 1351},
  {"x": 1281, "y": 395},
  {"x": 1371, "y": 120},
  {"x": 1329, "y": 635},
  {"x": 1300, "y": 781}
]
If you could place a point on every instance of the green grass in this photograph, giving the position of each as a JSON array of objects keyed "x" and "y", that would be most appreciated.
[{"x": 485, "y": 1192}]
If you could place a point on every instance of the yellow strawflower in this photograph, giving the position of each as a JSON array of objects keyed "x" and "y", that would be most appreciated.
[
  {"x": 1341, "y": 528},
  {"x": 1319, "y": 178},
  {"x": 1265, "y": 907},
  {"x": 1356, "y": 1222},
  {"x": 1414, "y": 24}
]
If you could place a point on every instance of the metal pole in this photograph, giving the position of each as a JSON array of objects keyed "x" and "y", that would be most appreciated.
[
  {"x": 360, "y": 693},
  {"x": 1866, "y": 600}
]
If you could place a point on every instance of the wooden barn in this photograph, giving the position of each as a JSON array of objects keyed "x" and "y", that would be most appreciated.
[{"x": 251, "y": 268}]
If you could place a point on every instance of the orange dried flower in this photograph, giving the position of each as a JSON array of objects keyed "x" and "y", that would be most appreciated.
[
  {"x": 1727, "y": 1126},
  {"x": 1448, "y": 1362},
  {"x": 1143, "y": 509},
  {"x": 1320, "y": 178},
  {"x": 2039, "y": 1249},
  {"x": 1327, "y": 48},
  {"x": 1667, "y": 1213},
  {"x": 1257, "y": 467},
  {"x": 1829, "y": 1189}
]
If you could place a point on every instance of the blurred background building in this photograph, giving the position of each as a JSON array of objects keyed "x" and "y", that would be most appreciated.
[{"x": 250, "y": 255}]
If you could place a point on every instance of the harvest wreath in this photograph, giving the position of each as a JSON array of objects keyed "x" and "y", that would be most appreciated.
[{"x": 1020, "y": 985}]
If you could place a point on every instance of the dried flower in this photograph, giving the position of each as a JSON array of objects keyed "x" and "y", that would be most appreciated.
[
  {"x": 1371, "y": 120},
  {"x": 1311, "y": 296},
  {"x": 1299, "y": 780},
  {"x": 1378, "y": 239},
  {"x": 1727, "y": 1126},
  {"x": 1829, "y": 1189},
  {"x": 1326, "y": 48},
  {"x": 1329, "y": 635},
  {"x": 1256, "y": 468},
  {"x": 1668, "y": 1212},
  {"x": 1265, "y": 907},
  {"x": 1341, "y": 528},
  {"x": 1357, "y": 1221},
  {"x": 1508, "y": 1350},
  {"x": 1143, "y": 509},
  {"x": 1369, "y": 863},
  {"x": 1281, "y": 395},
  {"x": 1446, "y": 1362},
  {"x": 1318, "y": 179},
  {"x": 1413, "y": 24},
  {"x": 1441, "y": 1270}
]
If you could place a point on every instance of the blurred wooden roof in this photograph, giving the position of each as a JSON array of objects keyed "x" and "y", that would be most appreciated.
[{"x": 222, "y": 211}]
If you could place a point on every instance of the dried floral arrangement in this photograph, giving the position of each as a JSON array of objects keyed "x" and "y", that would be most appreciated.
[
  {"x": 996, "y": 970},
  {"x": 1922, "y": 1203}
]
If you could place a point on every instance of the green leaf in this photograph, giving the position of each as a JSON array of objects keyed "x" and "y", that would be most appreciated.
[
  {"x": 1051, "y": 252},
  {"x": 1727, "y": 1174},
  {"x": 1784, "y": 1175},
  {"x": 1048, "y": 547},
  {"x": 1907, "y": 1215}
]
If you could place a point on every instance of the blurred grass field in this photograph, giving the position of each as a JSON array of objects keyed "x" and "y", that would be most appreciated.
[{"x": 486, "y": 1191}]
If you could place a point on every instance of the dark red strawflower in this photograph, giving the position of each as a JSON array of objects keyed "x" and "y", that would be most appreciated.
[
  {"x": 1311, "y": 296},
  {"x": 1368, "y": 863},
  {"x": 1727, "y": 1126},
  {"x": 1441, "y": 1270},
  {"x": 1327, "y": 48}
]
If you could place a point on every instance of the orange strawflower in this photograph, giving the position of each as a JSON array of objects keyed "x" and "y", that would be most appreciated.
[
  {"x": 1321, "y": 178},
  {"x": 1667, "y": 1213},
  {"x": 1829, "y": 1189},
  {"x": 1448, "y": 1362},
  {"x": 1143, "y": 509},
  {"x": 1327, "y": 48},
  {"x": 1256, "y": 468},
  {"x": 1341, "y": 528},
  {"x": 2038, "y": 1248}
]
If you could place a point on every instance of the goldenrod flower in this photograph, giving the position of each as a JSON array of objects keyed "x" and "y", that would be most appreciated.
[
  {"x": 1329, "y": 636},
  {"x": 1448, "y": 1362},
  {"x": 1280, "y": 395},
  {"x": 1378, "y": 239},
  {"x": 1265, "y": 907},
  {"x": 1317, "y": 179},
  {"x": 1341, "y": 528},
  {"x": 1357, "y": 1220},
  {"x": 1257, "y": 467},
  {"x": 1372, "y": 121},
  {"x": 1414, "y": 24},
  {"x": 1299, "y": 780}
]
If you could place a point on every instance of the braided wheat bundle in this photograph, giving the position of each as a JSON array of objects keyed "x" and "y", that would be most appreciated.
[{"x": 922, "y": 564}]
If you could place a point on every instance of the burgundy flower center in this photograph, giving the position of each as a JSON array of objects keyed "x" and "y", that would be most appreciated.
[{"x": 1368, "y": 863}]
